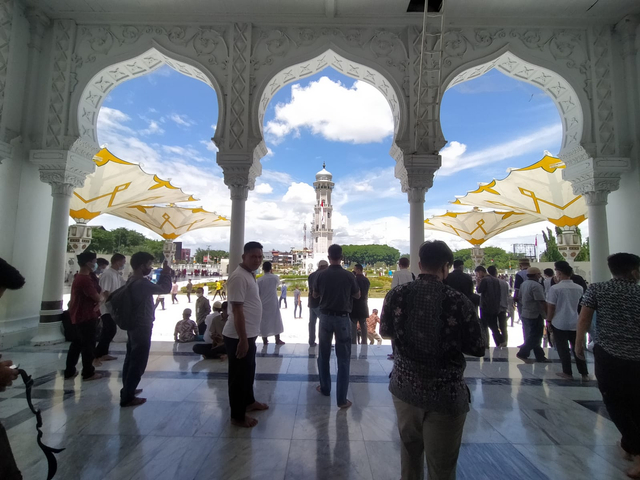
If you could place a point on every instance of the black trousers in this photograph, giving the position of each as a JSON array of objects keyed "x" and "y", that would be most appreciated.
[
  {"x": 188, "y": 297},
  {"x": 8, "y": 468},
  {"x": 565, "y": 341},
  {"x": 174, "y": 298},
  {"x": 502, "y": 323},
  {"x": 135, "y": 362},
  {"x": 490, "y": 320},
  {"x": 354, "y": 330},
  {"x": 282, "y": 299},
  {"x": 109, "y": 330},
  {"x": 313, "y": 319},
  {"x": 242, "y": 372},
  {"x": 209, "y": 351},
  {"x": 534, "y": 327},
  {"x": 202, "y": 327},
  {"x": 618, "y": 381},
  {"x": 83, "y": 342}
]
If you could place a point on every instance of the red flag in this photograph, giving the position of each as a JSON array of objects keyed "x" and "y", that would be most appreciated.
[{"x": 536, "y": 240}]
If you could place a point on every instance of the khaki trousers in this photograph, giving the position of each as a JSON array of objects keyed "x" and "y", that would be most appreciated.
[{"x": 435, "y": 434}]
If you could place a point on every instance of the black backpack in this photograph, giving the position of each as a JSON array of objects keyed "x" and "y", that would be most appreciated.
[{"x": 121, "y": 306}]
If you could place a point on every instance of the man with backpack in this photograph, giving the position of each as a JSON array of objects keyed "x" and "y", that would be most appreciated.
[{"x": 138, "y": 321}]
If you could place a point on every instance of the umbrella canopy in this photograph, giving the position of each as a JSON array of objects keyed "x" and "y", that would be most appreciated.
[
  {"x": 538, "y": 189},
  {"x": 117, "y": 183},
  {"x": 170, "y": 222},
  {"x": 476, "y": 226}
]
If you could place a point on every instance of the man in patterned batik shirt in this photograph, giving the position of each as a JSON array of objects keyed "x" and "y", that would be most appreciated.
[
  {"x": 432, "y": 326},
  {"x": 617, "y": 348}
]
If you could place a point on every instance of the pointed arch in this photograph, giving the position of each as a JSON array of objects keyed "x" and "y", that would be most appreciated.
[{"x": 561, "y": 92}]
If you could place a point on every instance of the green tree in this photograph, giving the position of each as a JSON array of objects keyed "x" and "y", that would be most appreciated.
[
  {"x": 101, "y": 240},
  {"x": 370, "y": 254},
  {"x": 584, "y": 254},
  {"x": 124, "y": 240},
  {"x": 551, "y": 254},
  {"x": 502, "y": 259},
  {"x": 201, "y": 252}
]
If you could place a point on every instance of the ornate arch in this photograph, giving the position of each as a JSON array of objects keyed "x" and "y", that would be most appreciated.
[
  {"x": 103, "y": 82},
  {"x": 553, "y": 84}
]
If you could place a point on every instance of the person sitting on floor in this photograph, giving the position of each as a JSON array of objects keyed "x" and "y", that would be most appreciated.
[
  {"x": 186, "y": 329},
  {"x": 214, "y": 344}
]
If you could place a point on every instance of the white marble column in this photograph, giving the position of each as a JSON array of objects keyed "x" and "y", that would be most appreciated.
[
  {"x": 416, "y": 225},
  {"x": 598, "y": 235},
  {"x": 239, "y": 194},
  {"x": 64, "y": 171}
]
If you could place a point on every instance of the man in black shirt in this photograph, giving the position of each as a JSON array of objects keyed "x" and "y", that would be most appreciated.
[
  {"x": 462, "y": 282},
  {"x": 336, "y": 287},
  {"x": 314, "y": 302},
  {"x": 360, "y": 310},
  {"x": 489, "y": 289}
]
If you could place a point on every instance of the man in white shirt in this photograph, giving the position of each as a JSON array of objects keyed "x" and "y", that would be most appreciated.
[
  {"x": 403, "y": 274},
  {"x": 240, "y": 333},
  {"x": 110, "y": 280},
  {"x": 563, "y": 299}
]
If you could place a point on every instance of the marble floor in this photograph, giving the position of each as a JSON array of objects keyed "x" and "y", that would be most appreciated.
[{"x": 525, "y": 422}]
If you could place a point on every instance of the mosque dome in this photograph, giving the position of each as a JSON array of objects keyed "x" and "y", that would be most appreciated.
[{"x": 323, "y": 175}]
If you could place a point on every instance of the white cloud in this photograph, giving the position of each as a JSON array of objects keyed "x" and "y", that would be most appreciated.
[
  {"x": 210, "y": 145},
  {"x": 263, "y": 188},
  {"x": 359, "y": 114},
  {"x": 456, "y": 159},
  {"x": 182, "y": 120},
  {"x": 152, "y": 129}
]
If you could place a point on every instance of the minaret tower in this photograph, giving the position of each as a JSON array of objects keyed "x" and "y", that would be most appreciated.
[{"x": 322, "y": 233}]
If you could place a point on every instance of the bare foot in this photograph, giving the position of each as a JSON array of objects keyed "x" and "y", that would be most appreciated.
[
  {"x": 564, "y": 375},
  {"x": 586, "y": 378},
  {"x": 624, "y": 454},
  {"x": 223, "y": 358},
  {"x": 95, "y": 376},
  {"x": 634, "y": 472},
  {"x": 106, "y": 358},
  {"x": 72, "y": 377},
  {"x": 279, "y": 342},
  {"x": 138, "y": 391},
  {"x": 257, "y": 406},
  {"x": 346, "y": 405},
  {"x": 134, "y": 403},
  {"x": 319, "y": 390},
  {"x": 97, "y": 363},
  {"x": 248, "y": 422}
]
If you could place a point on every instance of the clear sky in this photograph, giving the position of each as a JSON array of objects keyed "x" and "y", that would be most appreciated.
[{"x": 165, "y": 121}]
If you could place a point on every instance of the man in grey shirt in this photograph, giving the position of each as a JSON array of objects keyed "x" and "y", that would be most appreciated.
[
  {"x": 336, "y": 287},
  {"x": 139, "y": 337},
  {"x": 531, "y": 297}
]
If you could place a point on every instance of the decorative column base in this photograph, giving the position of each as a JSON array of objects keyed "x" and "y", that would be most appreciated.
[{"x": 50, "y": 326}]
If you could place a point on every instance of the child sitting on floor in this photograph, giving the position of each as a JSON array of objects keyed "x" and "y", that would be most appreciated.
[{"x": 186, "y": 329}]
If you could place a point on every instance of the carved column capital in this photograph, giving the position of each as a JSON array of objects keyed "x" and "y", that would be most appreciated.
[
  {"x": 593, "y": 177},
  {"x": 240, "y": 169},
  {"x": 64, "y": 170},
  {"x": 418, "y": 173}
]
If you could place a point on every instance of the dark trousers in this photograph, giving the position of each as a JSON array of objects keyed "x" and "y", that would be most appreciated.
[
  {"x": 242, "y": 372},
  {"x": 109, "y": 330},
  {"x": 135, "y": 362},
  {"x": 565, "y": 341},
  {"x": 174, "y": 298},
  {"x": 84, "y": 342},
  {"x": 338, "y": 325},
  {"x": 534, "y": 327},
  {"x": 490, "y": 320},
  {"x": 354, "y": 330},
  {"x": 502, "y": 323},
  {"x": 189, "y": 297},
  {"x": 620, "y": 388},
  {"x": 202, "y": 327},
  {"x": 282, "y": 299},
  {"x": 295, "y": 309},
  {"x": 209, "y": 351},
  {"x": 313, "y": 318},
  {"x": 8, "y": 468}
]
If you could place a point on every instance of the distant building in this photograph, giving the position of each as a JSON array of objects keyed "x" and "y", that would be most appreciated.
[{"x": 186, "y": 254}]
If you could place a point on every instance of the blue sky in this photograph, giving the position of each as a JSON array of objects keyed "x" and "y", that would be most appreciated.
[{"x": 165, "y": 121}]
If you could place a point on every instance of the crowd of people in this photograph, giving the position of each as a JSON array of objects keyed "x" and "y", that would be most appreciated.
[{"x": 432, "y": 321}]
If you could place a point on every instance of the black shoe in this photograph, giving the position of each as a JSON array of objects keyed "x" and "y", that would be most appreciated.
[{"x": 544, "y": 360}]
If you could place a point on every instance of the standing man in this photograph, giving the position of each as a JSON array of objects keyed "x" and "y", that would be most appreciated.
[
  {"x": 336, "y": 287},
  {"x": 563, "y": 299},
  {"x": 521, "y": 277},
  {"x": 617, "y": 348},
  {"x": 360, "y": 309},
  {"x": 110, "y": 281},
  {"x": 174, "y": 291},
  {"x": 84, "y": 312},
  {"x": 218, "y": 290},
  {"x": 433, "y": 327},
  {"x": 462, "y": 282},
  {"x": 189, "y": 290},
  {"x": 139, "y": 337},
  {"x": 403, "y": 274},
  {"x": 203, "y": 308},
  {"x": 297, "y": 303},
  {"x": 489, "y": 289},
  {"x": 548, "y": 279},
  {"x": 533, "y": 309},
  {"x": 283, "y": 295},
  {"x": 271, "y": 323},
  {"x": 504, "y": 304},
  {"x": 240, "y": 333},
  {"x": 10, "y": 279},
  {"x": 314, "y": 302}
]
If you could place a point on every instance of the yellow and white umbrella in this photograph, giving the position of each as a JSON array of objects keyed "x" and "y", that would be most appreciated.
[
  {"x": 116, "y": 184},
  {"x": 476, "y": 226},
  {"x": 538, "y": 190},
  {"x": 170, "y": 222}
]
